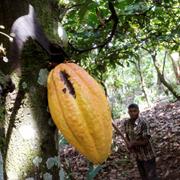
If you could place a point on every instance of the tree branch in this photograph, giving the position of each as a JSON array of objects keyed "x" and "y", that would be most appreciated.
[
  {"x": 109, "y": 38},
  {"x": 138, "y": 67},
  {"x": 104, "y": 23},
  {"x": 164, "y": 62},
  {"x": 162, "y": 79}
]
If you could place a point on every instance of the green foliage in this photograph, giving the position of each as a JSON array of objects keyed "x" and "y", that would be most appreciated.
[
  {"x": 124, "y": 85},
  {"x": 139, "y": 22},
  {"x": 143, "y": 28},
  {"x": 48, "y": 16},
  {"x": 42, "y": 78},
  {"x": 62, "y": 140},
  {"x": 93, "y": 171},
  {"x": 62, "y": 174}
]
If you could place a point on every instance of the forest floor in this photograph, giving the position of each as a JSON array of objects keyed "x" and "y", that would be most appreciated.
[{"x": 164, "y": 120}]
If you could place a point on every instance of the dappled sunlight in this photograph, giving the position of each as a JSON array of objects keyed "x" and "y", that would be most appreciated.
[
  {"x": 23, "y": 146},
  {"x": 131, "y": 48}
]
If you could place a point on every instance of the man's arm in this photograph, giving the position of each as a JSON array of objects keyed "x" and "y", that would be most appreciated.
[
  {"x": 141, "y": 142},
  {"x": 144, "y": 139}
]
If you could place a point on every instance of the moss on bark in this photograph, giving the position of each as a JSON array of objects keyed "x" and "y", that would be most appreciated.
[{"x": 29, "y": 112}]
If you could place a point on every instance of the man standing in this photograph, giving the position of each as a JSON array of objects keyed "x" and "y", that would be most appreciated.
[{"x": 139, "y": 143}]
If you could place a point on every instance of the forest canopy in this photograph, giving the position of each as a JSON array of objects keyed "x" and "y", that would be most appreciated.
[{"x": 131, "y": 46}]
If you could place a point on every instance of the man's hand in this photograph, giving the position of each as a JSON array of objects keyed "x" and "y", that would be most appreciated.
[
  {"x": 133, "y": 144},
  {"x": 130, "y": 146}
]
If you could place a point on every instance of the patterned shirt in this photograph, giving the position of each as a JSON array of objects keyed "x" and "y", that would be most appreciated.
[{"x": 136, "y": 131}]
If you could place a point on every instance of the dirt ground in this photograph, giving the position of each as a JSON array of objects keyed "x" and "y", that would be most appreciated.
[{"x": 164, "y": 120}]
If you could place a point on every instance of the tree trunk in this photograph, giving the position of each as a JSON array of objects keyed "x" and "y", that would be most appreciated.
[
  {"x": 138, "y": 67},
  {"x": 9, "y": 12},
  {"x": 162, "y": 79},
  {"x": 159, "y": 83},
  {"x": 176, "y": 68},
  {"x": 29, "y": 131}
]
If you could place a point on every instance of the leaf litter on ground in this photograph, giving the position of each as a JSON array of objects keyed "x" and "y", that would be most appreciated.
[{"x": 164, "y": 121}]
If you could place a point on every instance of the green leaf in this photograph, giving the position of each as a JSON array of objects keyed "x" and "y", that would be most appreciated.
[
  {"x": 93, "y": 171},
  {"x": 42, "y": 77},
  {"x": 51, "y": 162},
  {"x": 175, "y": 47},
  {"x": 123, "y": 3},
  {"x": 62, "y": 140},
  {"x": 84, "y": 9},
  {"x": 92, "y": 19},
  {"x": 62, "y": 174},
  {"x": 136, "y": 8}
]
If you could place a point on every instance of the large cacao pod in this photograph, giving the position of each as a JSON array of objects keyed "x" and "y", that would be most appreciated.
[{"x": 80, "y": 110}]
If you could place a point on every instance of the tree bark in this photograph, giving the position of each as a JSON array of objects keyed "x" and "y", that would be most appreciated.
[
  {"x": 176, "y": 68},
  {"x": 138, "y": 67},
  {"x": 159, "y": 83},
  {"x": 28, "y": 134},
  {"x": 162, "y": 79}
]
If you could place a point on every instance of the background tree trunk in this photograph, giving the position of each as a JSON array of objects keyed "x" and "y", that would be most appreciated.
[
  {"x": 162, "y": 79},
  {"x": 176, "y": 68},
  {"x": 138, "y": 67}
]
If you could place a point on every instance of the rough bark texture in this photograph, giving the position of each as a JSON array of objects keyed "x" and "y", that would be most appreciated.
[{"x": 27, "y": 130}]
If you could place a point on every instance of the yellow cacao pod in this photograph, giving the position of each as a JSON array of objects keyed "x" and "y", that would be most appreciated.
[{"x": 80, "y": 110}]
